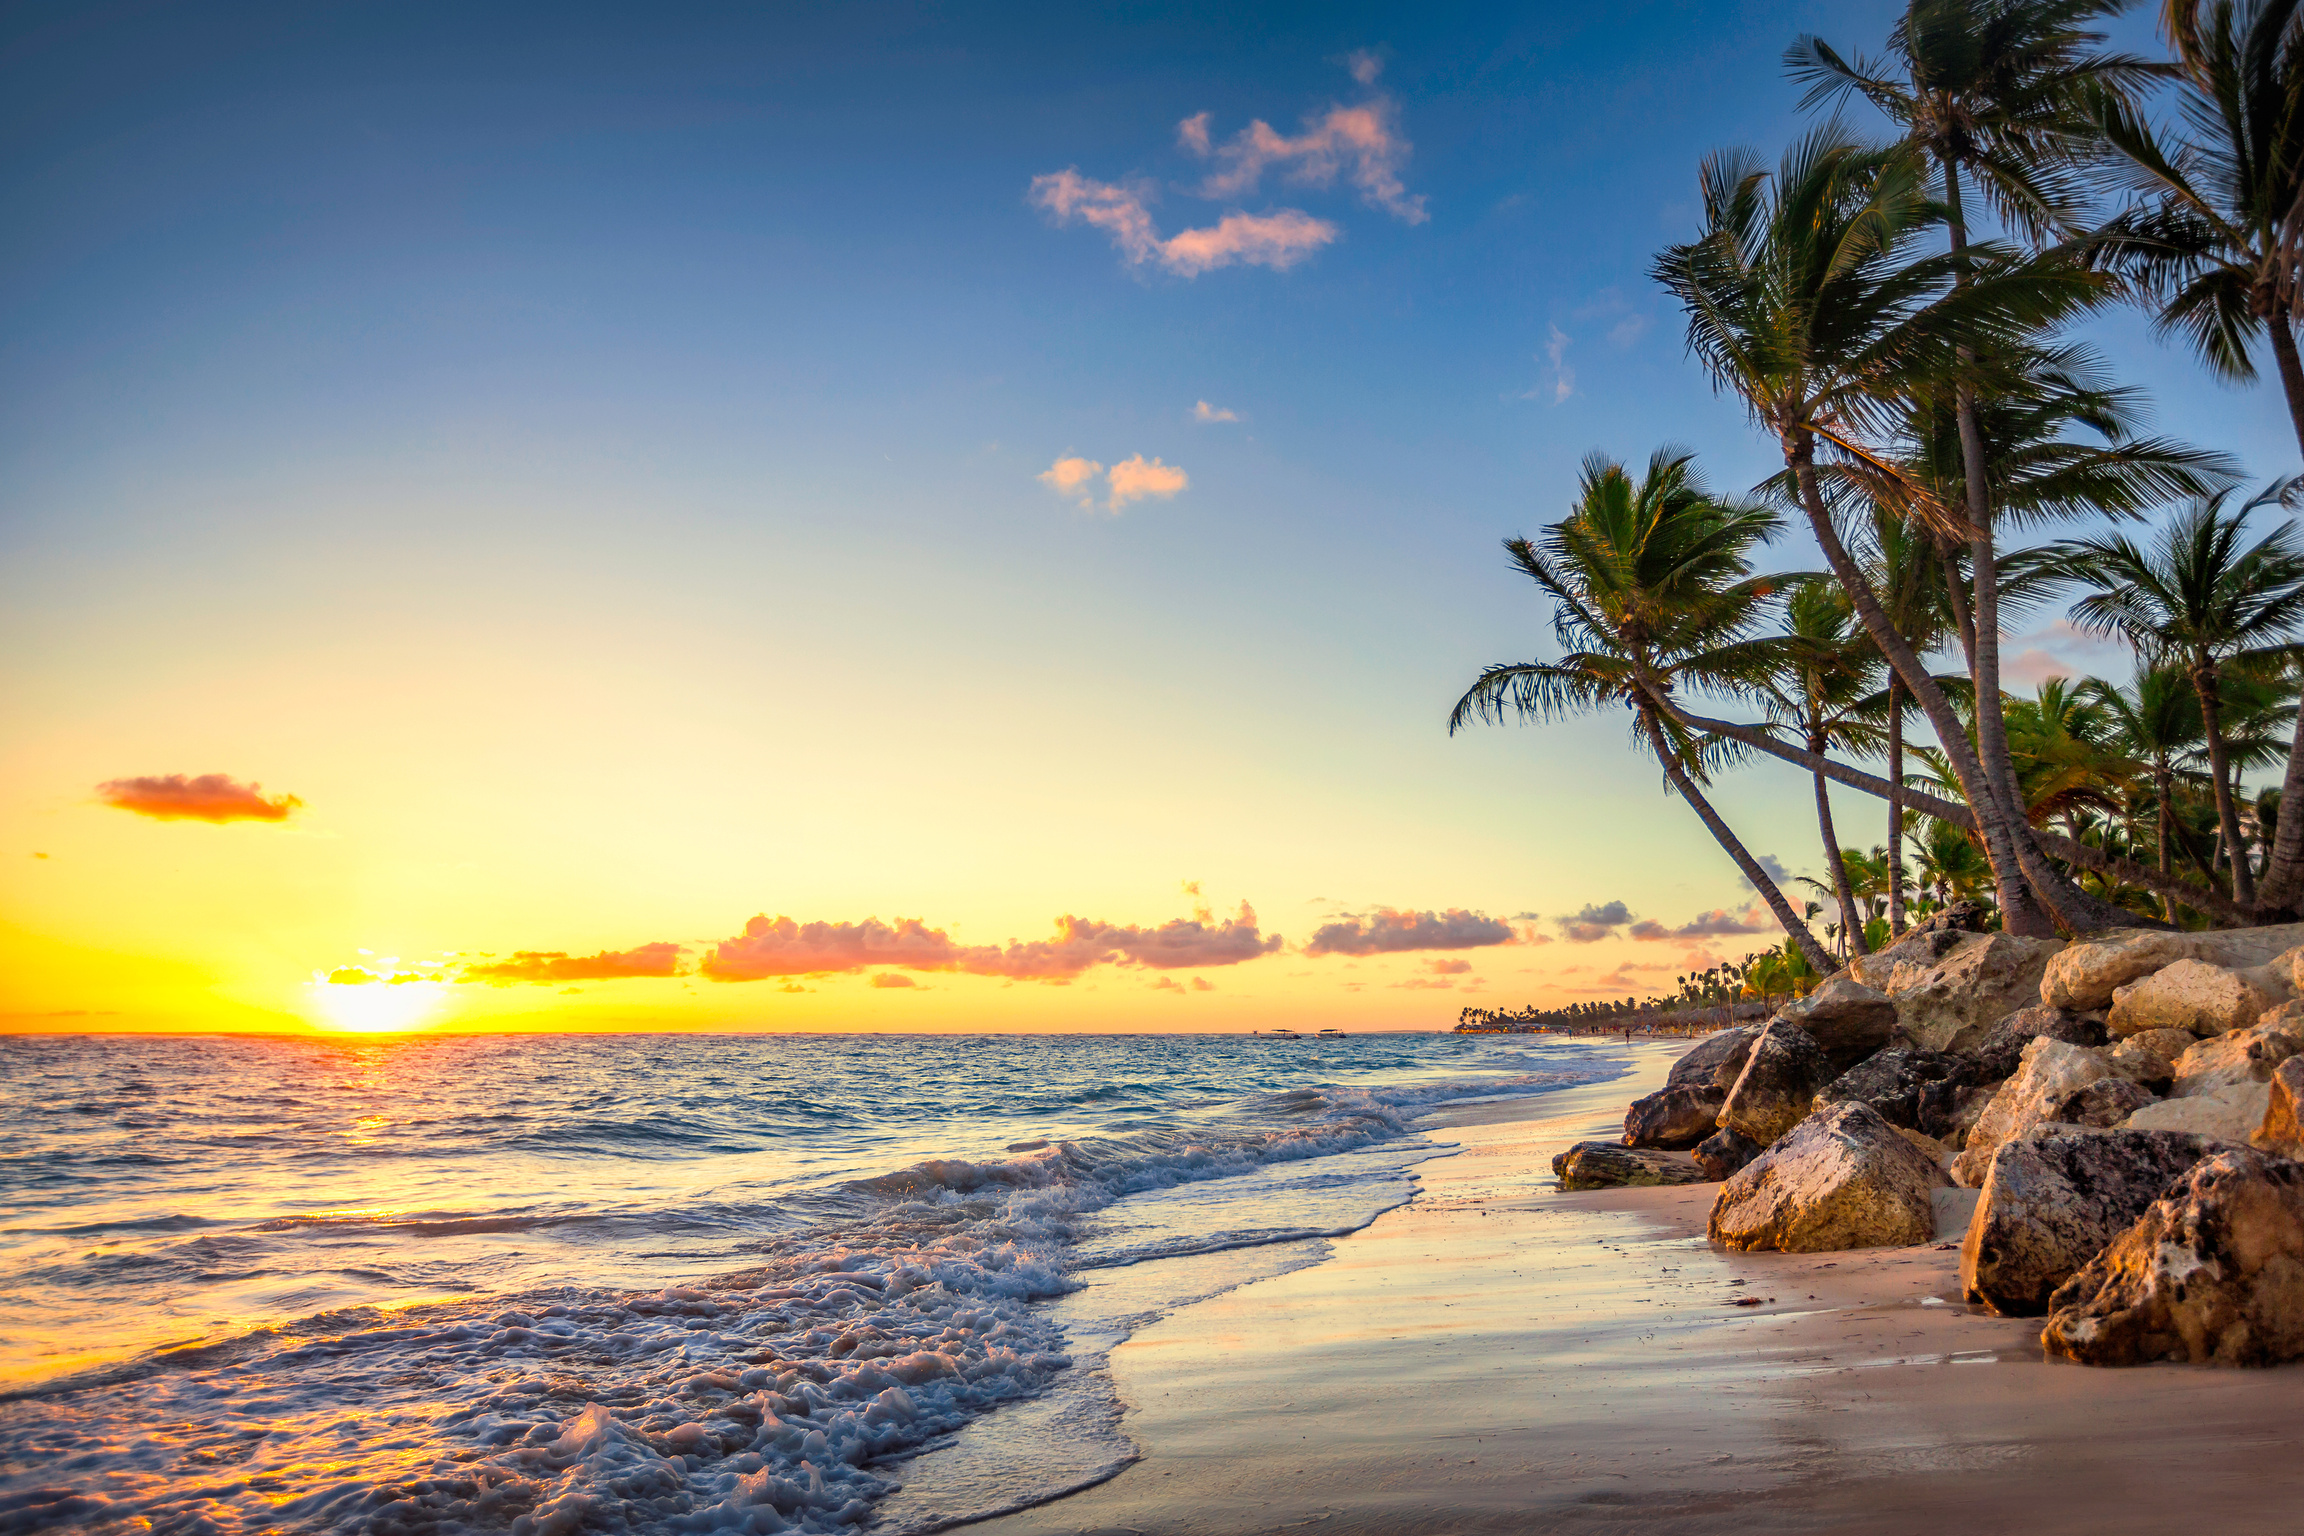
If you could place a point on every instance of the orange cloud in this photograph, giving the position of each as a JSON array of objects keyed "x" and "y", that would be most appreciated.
[
  {"x": 780, "y": 946},
  {"x": 660, "y": 959},
  {"x": 893, "y": 979},
  {"x": 1276, "y": 240},
  {"x": 1447, "y": 967},
  {"x": 1134, "y": 480},
  {"x": 1202, "y": 411},
  {"x": 1388, "y": 930},
  {"x": 1068, "y": 476},
  {"x": 212, "y": 797}
]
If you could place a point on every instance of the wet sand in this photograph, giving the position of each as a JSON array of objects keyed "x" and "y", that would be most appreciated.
[{"x": 1501, "y": 1356}]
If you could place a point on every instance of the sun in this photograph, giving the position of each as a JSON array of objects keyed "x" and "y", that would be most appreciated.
[{"x": 378, "y": 1007}]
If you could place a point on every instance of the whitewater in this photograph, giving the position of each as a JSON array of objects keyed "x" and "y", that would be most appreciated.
[{"x": 651, "y": 1283}]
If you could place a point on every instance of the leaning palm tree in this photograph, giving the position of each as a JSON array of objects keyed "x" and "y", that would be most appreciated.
[
  {"x": 1652, "y": 589},
  {"x": 2203, "y": 598},
  {"x": 1805, "y": 296}
]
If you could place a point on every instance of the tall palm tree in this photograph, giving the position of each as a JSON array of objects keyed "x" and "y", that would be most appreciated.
[
  {"x": 1823, "y": 688},
  {"x": 2156, "y": 720},
  {"x": 1804, "y": 296},
  {"x": 1998, "y": 94},
  {"x": 2203, "y": 598},
  {"x": 1652, "y": 588}
]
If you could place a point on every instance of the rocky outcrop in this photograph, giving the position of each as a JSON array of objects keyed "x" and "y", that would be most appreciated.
[
  {"x": 1894, "y": 1081},
  {"x": 2211, "y": 1274},
  {"x": 1605, "y": 1165},
  {"x": 1778, "y": 1085},
  {"x": 2051, "y": 1202},
  {"x": 2228, "y": 1060},
  {"x": 1725, "y": 1151},
  {"x": 2149, "y": 1056},
  {"x": 1848, "y": 1019},
  {"x": 1843, "y": 1178},
  {"x": 1715, "y": 1060},
  {"x": 1949, "y": 1113},
  {"x": 1973, "y": 980},
  {"x": 2282, "y": 1128},
  {"x": 2190, "y": 994},
  {"x": 2050, "y": 1072},
  {"x": 2003, "y": 1045},
  {"x": 2084, "y": 976},
  {"x": 1673, "y": 1119},
  {"x": 2106, "y": 1102},
  {"x": 2231, "y": 1114}
]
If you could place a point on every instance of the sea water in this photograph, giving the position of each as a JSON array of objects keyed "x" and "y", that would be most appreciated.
[{"x": 650, "y": 1283}]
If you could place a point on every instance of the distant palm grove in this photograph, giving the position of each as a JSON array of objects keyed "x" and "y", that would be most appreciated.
[{"x": 1898, "y": 314}]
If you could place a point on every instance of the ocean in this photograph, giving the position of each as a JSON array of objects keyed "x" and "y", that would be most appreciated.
[{"x": 651, "y": 1283}]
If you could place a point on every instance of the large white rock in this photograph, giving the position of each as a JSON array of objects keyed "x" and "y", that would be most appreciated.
[
  {"x": 2231, "y": 1114},
  {"x": 2192, "y": 994},
  {"x": 1949, "y": 994},
  {"x": 2227, "y": 1060},
  {"x": 2085, "y": 975},
  {"x": 1842, "y": 1178},
  {"x": 2051, "y": 1071}
]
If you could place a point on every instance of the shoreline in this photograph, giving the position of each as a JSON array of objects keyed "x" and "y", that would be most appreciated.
[{"x": 1498, "y": 1355}]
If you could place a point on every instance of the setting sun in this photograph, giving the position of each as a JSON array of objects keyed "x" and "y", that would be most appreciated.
[{"x": 377, "y": 1008}]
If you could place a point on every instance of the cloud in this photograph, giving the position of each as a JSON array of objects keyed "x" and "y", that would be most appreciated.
[
  {"x": 1202, "y": 984},
  {"x": 1595, "y": 923},
  {"x": 2060, "y": 650},
  {"x": 1276, "y": 240},
  {"x": 1447, "y": 967},
  {"x": 1388, "y": 930},
  {"x": 212, "y": 797},
  {"x": 779, "y": 946},
  {"x": 1771, "y": 866},
  {"x": 1132, "y": 479},
  {"x": 1067, "y": 476},
  {"x": 1361, "y": 143},
  {"x": 540, "y": 965},
  {"x": 1720, "y": 923},
  {"x": 1366, "y": 64},
  {"x": 1204, "y": 412},
  {"x": 1563, "y": 376},
  {"x": 1627, "y": 330},
  {"x": 893, "y": 979},
  {"x": 1424, "y": 984}
]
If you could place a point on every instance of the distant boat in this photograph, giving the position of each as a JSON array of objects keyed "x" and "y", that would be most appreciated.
[
  {"x": 1283, "y": 1034},
  {"x": 1330, "y": 1034}
]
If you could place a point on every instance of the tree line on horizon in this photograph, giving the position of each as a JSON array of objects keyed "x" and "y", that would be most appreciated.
[{"x": 1898, "y": 315}]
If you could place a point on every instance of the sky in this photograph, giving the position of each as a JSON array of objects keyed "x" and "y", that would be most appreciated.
[{"x": 854, "y": 517}]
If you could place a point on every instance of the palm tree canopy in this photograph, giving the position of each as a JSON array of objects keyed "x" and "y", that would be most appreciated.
[{"x": 2200, "y": 592}]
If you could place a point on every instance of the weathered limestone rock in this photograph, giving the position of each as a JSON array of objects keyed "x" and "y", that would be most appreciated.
[
  {"x": 1951, "y": 1002},
  {"x": 2212, "y": 1273},
  {"x": 1605, "y": 1165},
  {"x": 2149, "y": 1056},
  {"x": 1929, "y": 1147},
  {"x": 1673, "y": 1119},
  {"x": 2085, "y": 975},
  {"x": 2242, "y": 1056},
  {"x": 1959, "y": 917},
  {"x": 1703, "y": 1064},
  {"x": 1848, "y": 1019},
  {"x": 2053, "y": 1199},
  {"x": 2282, "y": 1129},
  {"x": 2231, "y": 1114},
  {"x": 1949, "y": 1113},
  {"x": 1891, "y": 1081},
  {"x": 1778, "y": 1085},
  {"x": 2050, "y": 1073},
  {"x": 1843, "y": 1178},
  {"x": 2106, "y": 1102},
  {"x": 1997, "y": 1053},
  {"x": 1724, "y": 1152},
  {"x": 2189, "y": 994}
]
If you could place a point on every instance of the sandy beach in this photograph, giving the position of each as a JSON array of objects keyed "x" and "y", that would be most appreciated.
[{"x": 1502, "y": 1356}]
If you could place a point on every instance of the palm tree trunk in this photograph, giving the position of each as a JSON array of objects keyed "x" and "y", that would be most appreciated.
[
  {"x": 2014, "y": 876},
  {"x": 2283, "y": 889},
  {"x": 2204, "y": 683},
  {"x": 1797, "y": 930},
  {"x": 2163, "y": 785},
  {"x": 1895, "y": 807},
  {"x": 1851, "y": 926}
]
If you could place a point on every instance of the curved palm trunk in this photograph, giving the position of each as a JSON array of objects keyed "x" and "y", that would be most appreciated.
[
  {"x": 2283, "y": 890},
  {"x": 1810, "y": 950},
  {"x": 1895, "y": 807},
  {"x": 1851, "y": 926},
  {"x": 2204, "y": 683}
]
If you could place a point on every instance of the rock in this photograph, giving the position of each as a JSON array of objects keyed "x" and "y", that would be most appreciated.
[
  {"x": 2189, "y": 994},
  {"x": 1949, "y": 1112},
  {"x": 2051, "y": 1202},
  {"x": 2212, "y": 1273},
  {"x": 1843, "y": 1178},
  {"x": 1959, "y": 917},
  {"x": 1930, "y": 1147},
  {"x": 1891, "y": 1081},
  {"x": 1778, "y": 1085},
  {"x": 1725, "y": 1152},
  {"x": 2288, "y": 1015},
  {"x": 2051, "y": 1072},
  {"x": 2149, "y": 1056},
  {"x": 1848, "y": 1019},
  {"x": 1951, "y": 1002},
  {"x": 1674, "y": 1119},
  {"x": 2085, "y": 975},
  {"x": 2106, "y": 1102},
  {"x": 1605, "y": 1165},
  {"x": 2003, "y": 1045},
  {"x": 2241, "y": 1056},
  {"x": 2282, "y": 1128},
  {"x": 2231, "y": 1114},
  {"x": 1715, "y": 1052}
]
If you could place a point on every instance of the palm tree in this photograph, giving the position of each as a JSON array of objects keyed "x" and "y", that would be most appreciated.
[
  {"x": 1997, "y": 93},
  {"x": 1804, "y": 297},
  {"x": 2202, "y": 599},
  {"x": 1652, "y": 587},
  {"x": 1822, "y": 687},
  {"x": 2156, "y": 720}
]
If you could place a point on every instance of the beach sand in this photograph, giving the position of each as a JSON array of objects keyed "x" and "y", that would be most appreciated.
[{"x": 1501, "y": 1356}]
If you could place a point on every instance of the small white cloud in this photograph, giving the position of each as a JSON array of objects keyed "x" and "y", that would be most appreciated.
[
  {"x": 1204, "y": 412},
  {"x": 1563, "y": 376},
  {"x": 1627, "y": 330}
]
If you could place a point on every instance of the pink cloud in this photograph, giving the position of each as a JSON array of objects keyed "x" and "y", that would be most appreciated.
[
  {"x": 1361, "y": 143},
  {"x": 1203, "y": 412},
  {"x": 775, "y": 947},
  {"x": 779, "y": 946},
  {"x": 659, "y": 959},
  {"x": 1388, "y": 930},
  {"x": 1447, "y": 967},
  {"x": 1276, "y": 240},
  {"x": 1134, "y": 480},
  {"x": 1070, "y": 476},
  {"x": 212, "y": 797}
]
